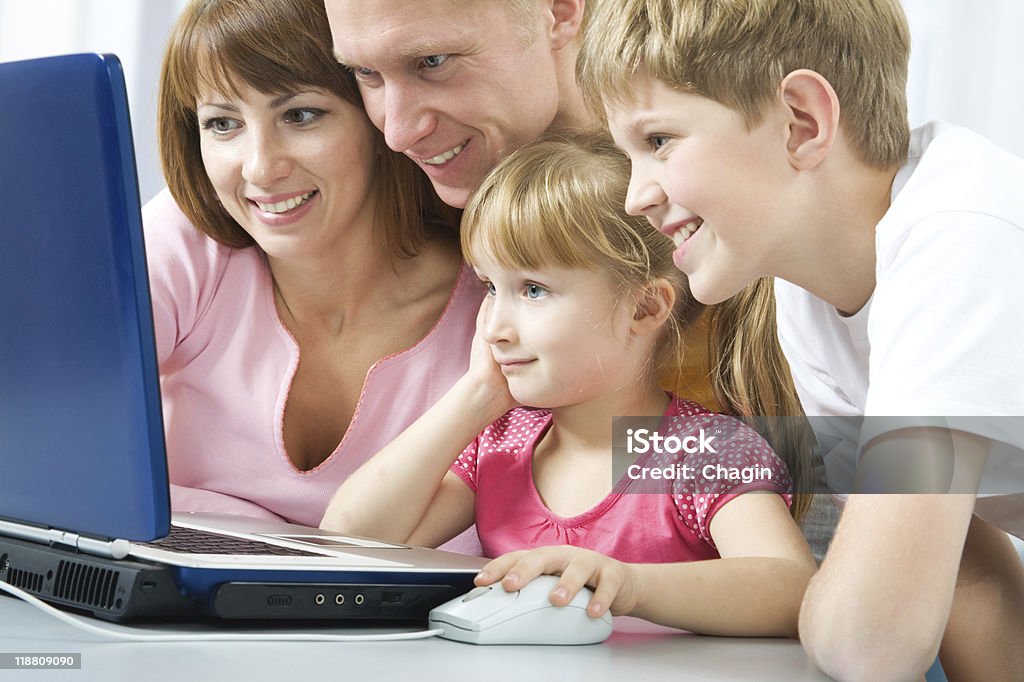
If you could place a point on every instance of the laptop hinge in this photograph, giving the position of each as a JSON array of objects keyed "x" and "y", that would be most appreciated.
[{"x": 108, "y": 549}]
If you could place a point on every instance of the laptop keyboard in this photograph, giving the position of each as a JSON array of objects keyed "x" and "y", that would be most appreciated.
[{"x": 192, "y": 541}]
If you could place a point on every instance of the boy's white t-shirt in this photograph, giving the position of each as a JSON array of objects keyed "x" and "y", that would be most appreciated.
[{"x": 943, "y": 334}]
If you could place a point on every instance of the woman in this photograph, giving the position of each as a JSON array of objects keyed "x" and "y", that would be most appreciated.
[{"x": 319, "y": 304}]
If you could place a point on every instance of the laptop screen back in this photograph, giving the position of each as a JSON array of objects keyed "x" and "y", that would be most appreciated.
[{"x": 81, "y": 434}]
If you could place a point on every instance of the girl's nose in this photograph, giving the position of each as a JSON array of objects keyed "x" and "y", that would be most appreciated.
[{"x": 498, "y": 323}]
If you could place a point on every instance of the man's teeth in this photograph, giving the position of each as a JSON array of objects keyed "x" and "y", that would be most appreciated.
[
  {"x": 681, "y": 235},
  {"x": 286, "y": 205},
  {"x": 447, "y": 156}
]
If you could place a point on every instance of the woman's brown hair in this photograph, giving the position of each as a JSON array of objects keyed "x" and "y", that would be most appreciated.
[{"x": 273, "y": 46}]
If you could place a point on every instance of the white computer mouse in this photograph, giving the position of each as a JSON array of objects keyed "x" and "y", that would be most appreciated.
[{"x": 490, "y": 615}]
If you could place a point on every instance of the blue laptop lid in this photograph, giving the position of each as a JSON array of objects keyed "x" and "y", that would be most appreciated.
[{"x": 81, "y": 433}]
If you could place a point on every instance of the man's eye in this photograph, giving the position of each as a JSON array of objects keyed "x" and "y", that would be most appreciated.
[
  {"x": 433, "y": 61},
  {"x": 362, "y": 73}
]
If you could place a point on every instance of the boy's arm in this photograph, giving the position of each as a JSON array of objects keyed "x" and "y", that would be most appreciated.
[
  {"x": 880, "y": 603},
  {"x": 754, "y": 590},
  {"x": 406, "y": 487}
]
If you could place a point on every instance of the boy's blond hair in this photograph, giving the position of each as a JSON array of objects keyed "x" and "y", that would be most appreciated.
[{"x": 736, "y": 52}]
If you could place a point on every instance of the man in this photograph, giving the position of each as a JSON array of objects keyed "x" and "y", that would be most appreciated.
[{"x": 457, "y": 85}]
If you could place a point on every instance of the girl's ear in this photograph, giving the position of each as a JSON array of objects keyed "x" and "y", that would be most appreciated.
[
  {"x": 653, "y": 306},
  {"x": 813, "y": 112}
]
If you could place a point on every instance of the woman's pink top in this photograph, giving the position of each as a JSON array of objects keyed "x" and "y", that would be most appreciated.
[{"x": 226, "y": 366}]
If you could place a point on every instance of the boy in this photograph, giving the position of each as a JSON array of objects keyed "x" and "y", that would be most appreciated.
[{"x": 770, "y": 138}]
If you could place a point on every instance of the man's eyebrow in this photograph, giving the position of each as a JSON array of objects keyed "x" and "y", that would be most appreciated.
[{"x": 423, "y": 47}]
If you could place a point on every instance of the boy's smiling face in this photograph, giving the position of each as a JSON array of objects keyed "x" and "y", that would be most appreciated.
[{"x": 702, "y": 177}]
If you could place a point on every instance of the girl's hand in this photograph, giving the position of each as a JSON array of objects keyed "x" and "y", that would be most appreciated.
[
  {"x": 615, "y": 583},
  {"x": 484, "y": 373}
]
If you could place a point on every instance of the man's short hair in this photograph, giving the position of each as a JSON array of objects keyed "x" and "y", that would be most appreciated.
[{"x": 736, "y": 52}]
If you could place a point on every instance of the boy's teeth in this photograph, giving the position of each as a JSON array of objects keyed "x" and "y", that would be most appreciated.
[
  {"x": 286, "y": 205},
  {"x": 686, "y": 232},
  {"x": 447, "y": 156}
]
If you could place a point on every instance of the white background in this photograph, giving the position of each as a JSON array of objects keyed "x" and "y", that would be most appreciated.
[{"x": 965, "y": 66}]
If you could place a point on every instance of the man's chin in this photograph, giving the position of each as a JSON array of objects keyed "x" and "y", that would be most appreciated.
[{"x": 456, "y": 197}]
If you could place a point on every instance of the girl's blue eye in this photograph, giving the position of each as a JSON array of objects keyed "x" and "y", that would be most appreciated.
[
  {"x": 490, "y": 288},
  {"x": 657, "y": 141},
  {"x": 534, "y": 291}
]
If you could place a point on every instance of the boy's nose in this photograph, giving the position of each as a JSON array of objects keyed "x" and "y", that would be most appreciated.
[{"x": 643, "y": 196}]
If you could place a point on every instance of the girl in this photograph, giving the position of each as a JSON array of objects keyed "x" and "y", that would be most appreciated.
[{"x": 583, "y": 308}]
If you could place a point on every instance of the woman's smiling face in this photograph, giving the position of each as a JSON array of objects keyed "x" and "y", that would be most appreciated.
[{"x": 293, "y": 169}]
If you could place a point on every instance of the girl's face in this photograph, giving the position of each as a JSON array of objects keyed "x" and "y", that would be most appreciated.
[
  {"x": 293, "y": 169},
  {"x": 561, "y": 335},
  {"x": 703, "y": 178}
]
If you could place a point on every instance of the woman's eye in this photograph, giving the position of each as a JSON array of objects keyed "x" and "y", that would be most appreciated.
[
  {"x": 535, "y": 291},
  {"x": 302, "y": 116},
  {"x": 220, "y": 125},
  {"x": 434, "y": 60}
]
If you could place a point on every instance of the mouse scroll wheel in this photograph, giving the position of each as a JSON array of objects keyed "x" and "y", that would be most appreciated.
[{"x": 476, "y": 592}]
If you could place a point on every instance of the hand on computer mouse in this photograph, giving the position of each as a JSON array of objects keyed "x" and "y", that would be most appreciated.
[
  {"x": 614, "y": 582},
  {"x": 492, "y": 615}
]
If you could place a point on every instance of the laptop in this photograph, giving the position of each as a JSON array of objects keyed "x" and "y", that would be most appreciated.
[{"x": 85, "y": 518}]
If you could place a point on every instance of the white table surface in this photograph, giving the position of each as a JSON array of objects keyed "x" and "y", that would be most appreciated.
[{"x": 636, "y": 651}]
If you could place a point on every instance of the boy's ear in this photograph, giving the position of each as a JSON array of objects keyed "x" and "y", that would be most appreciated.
[
  {"x": 813, "y": 109},
  {"x": 568, "y": 17},
  {"x": 653, "y": 306}
]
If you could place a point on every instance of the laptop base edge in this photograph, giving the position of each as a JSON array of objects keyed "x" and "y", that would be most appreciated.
[{"x": 113, "y": 590}]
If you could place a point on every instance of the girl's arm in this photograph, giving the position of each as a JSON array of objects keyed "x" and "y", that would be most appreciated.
[
  {"x": 754, "y": 590},
  {"x": 405, "y": 493}
]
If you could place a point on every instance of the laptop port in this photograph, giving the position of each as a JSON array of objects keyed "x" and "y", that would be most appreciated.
[{"x": 319, "y": 599}]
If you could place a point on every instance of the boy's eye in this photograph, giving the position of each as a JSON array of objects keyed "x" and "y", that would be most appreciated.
[{"x": 534, "y": 291}]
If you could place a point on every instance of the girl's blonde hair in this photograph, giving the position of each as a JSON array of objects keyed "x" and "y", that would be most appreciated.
[{"x": 560, "y": 202}]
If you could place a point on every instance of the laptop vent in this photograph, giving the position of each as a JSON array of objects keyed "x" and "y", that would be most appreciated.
[
  {"x": 26, "y": 580},
  {"x": 86, "y": 585}
]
